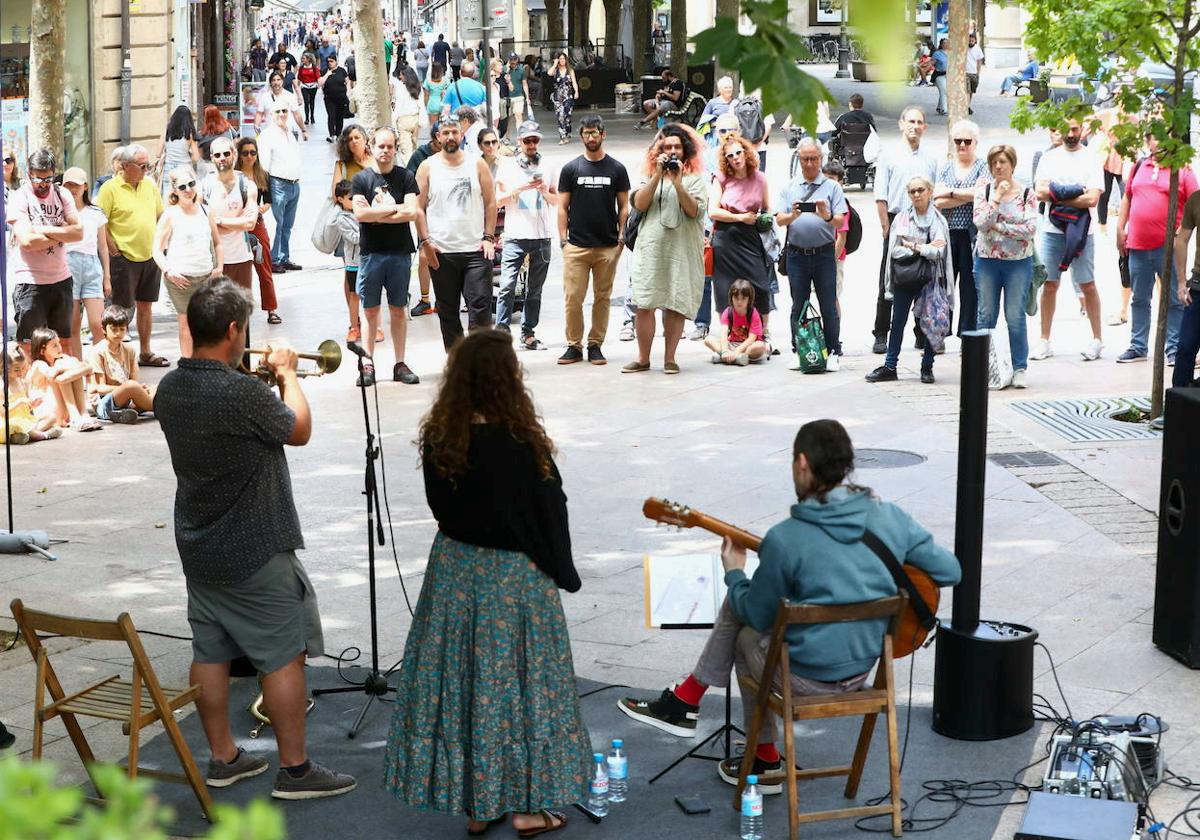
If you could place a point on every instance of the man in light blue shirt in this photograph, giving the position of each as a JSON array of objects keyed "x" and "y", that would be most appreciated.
[
  {"x": 895, "y": 169},
  {"x": 464, "y": 91}
]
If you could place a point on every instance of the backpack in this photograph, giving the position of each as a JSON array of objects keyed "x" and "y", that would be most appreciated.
[
  {"x": 750, "y": 119},
  {"x": 854, "y": 234}
]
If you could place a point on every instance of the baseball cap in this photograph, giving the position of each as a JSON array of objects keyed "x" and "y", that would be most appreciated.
[
  {"x": 75, "y": 175},
  {"x": 512, "y": 56},
  {"x": 529, "y": 128}
]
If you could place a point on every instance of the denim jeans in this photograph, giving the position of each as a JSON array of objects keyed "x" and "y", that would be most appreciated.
[
  {"x": 1015, "y": 279},
  {"x": 510, "y": 266},
  {"x": 809, "y": 272},
  {"x": 704, "y": 316},
  {"x": 285, "y": 197},
  {"x": 902, "y": 304},
  {"x": 1144, "y": 266},
  {"x": 1189, "y": 344},
  {"x": 939, "y": 82}
]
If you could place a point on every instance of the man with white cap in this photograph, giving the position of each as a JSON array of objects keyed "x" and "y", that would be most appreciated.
[{"x": 525, "y": 184}]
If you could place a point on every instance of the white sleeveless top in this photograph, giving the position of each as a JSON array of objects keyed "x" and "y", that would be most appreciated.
[
  {"x": 455, "y": 210},
  {"x": 189, "y": 250}
]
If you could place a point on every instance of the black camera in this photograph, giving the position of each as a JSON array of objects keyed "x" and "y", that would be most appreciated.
[{"x": 673, "y": 163}]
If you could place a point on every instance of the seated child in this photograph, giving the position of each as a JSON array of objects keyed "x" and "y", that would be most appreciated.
[
  {"x": 114, "y": 391},
  {"x": 24, "y": 426},
  {"x": 741, "y": 340},
  {"x": 58, "y": 380}
]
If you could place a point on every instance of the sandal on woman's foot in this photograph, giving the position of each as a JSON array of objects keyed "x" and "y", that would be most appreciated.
[
  {"x": 152, "y": 360},
  {"x": 670, "y": 367},
  {"x": 353, "y": 334},
  {"x": 479, "y": 832},
  {"x": 636, "y": 367},
  {"x": 89, "y": 426},
  {"x": 554, "y": 820},
  {"x": 273, "y": 318}
]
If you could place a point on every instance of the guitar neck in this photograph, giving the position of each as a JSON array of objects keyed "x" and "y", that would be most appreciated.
[{"x": 724, "y": 529}]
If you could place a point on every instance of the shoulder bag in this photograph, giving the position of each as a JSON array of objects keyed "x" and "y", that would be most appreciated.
[{"x": 912, "y": 272}]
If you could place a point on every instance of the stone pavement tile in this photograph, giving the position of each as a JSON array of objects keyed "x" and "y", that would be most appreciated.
[
  {"x": 625, "y": 627},
  {"x": 22, "y": 728},
  {"x": 1124, "y": 660}
]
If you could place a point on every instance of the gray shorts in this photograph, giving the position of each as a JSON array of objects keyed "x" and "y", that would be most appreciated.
[{"x": 270, "y": 617}]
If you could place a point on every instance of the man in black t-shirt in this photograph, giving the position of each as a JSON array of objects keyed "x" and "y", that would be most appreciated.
[
  {"x": 667, "y": 98},
  {"x": 385, "y": 201},
  {"x": 856, "y": 115},
  {"x": 591, "y": 224}
]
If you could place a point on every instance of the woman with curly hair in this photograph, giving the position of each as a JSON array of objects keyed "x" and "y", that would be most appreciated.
[
  {"x": 668, "y": 262},
  {"x": 737, "y": 196},
  {"x": 353, "y": 155},
  {"x": 487, "y": 720}
]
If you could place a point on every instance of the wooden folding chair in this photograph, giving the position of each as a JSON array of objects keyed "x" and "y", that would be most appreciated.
[
  {"x": 136, "y": 702},
  {"x": 868, "y": 702}
]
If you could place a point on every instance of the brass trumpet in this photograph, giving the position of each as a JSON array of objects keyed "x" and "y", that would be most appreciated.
[{"x": 328, "y": 358}]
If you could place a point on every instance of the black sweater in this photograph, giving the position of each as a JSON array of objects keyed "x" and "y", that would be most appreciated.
[{"x": 502, "y": 501}]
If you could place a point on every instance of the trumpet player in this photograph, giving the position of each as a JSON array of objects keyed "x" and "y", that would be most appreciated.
[{"x": 237, "y": 533}]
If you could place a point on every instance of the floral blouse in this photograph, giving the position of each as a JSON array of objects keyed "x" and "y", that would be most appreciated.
[
  {"x": 1006, "y": 231},
  {"x": 960, "y": 217}
]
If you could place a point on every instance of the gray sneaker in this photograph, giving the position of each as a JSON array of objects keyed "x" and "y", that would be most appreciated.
[
  {"x": 317, "y": 783},
  {"x": 243, "y": 766}
]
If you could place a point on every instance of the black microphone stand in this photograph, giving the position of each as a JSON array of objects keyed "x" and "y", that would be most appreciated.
[{"x": 375, "y": 684}]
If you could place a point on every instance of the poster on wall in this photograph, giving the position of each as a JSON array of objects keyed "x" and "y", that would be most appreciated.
[
  {"x": 826, "y": 12},
  {"x": 248, "y": 95}
]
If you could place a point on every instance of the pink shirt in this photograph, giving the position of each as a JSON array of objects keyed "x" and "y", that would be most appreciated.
[
  {"x": 1149, "y": 198},
  {"x": 742, "y": 195},
  {"x": 738, "y": 327},
  {"x": 41, "y": 265}
]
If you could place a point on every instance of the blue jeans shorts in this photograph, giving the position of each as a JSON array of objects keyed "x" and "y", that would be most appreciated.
[
  {"x": 1082, "y": 268},
  {"x": 378, "y": 273},
  {"x": 87, "y": 275}
]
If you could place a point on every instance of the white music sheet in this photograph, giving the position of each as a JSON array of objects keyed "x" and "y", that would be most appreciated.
[{"x": 685, "y": 590}]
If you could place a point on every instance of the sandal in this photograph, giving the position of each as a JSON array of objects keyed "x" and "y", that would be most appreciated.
[
  {"x": 479, "y": 832},
  {"x": 152, "y": 360},
  {"x": 273, "y": 318},
  {"x": 635, "y": 367},
  {"x": 670, "y": 367},
  {"x": 89, "y": 426},
  {"x": 353, "y": 334},
  {"x": 548, "y": 818}
]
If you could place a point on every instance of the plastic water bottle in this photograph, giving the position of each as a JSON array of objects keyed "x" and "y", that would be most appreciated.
[
  {"x": 598, "y": 787},
  {"x": 752, "y": 811},
  {"x": 618, "y": 772}
]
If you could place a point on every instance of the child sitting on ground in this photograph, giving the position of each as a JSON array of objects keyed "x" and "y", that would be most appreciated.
[
  {"x": 347, "y": 227},
  {"x": 115, "y": 393},
  {"x": 24, "y": 426},
  {"x": 741, "y": 341},
  {"x": 57, "y": 379}
]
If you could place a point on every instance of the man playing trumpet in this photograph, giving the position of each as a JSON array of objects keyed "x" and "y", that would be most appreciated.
[{"x": 237, "y": 532}]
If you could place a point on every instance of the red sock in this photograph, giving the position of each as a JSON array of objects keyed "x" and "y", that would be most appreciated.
[
  {"x": 767, "y": 752},
  {"x": 690, "y": 691}
]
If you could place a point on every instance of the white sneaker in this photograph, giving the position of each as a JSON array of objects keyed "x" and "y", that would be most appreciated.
[
  {"x": 1043, "y": 350},
  {"x": 833, "y": 363},
  {"x": 1018, "y": 379},
  {"x": 1092, "y": 351},
  {"x": 794, "y": 364}
]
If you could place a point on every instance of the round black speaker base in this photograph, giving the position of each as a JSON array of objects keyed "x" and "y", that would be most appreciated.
[{"x": 983, "y": 681}]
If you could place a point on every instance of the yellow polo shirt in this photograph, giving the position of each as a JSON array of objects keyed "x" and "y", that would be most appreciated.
[{"x": 132, "y": 215}]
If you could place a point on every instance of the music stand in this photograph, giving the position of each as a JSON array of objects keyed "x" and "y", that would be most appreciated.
[{"x": 726, "y": 729}]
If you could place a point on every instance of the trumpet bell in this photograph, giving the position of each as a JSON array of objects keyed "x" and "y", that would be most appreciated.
[{"x": 330, "y": 356}]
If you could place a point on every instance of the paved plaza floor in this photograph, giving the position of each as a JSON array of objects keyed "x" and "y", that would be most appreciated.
[{"x": 1069, "y": 548}]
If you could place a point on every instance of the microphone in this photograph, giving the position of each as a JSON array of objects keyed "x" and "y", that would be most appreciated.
[{"x": 357, "y": 349}]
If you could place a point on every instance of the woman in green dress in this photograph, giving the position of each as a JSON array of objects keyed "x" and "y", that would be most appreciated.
[
  {"x": 668, "y": 259},
  {"x": 487, "y": 720}
]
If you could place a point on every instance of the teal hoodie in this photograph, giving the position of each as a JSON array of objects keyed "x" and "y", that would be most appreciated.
[{"x": 817, "y": 557}]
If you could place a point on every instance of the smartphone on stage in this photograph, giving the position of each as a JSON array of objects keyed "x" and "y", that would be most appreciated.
[{"x": 692, "y": 805}]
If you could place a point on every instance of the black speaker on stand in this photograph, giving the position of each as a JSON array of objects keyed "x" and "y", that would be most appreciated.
[{"x": 1177, "y": 579}]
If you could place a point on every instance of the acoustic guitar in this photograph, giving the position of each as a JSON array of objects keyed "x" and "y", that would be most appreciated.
[{"x": 911, "y": 632}]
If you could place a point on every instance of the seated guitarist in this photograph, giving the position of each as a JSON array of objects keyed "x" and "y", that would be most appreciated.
[{"x": 816, "y": 556}]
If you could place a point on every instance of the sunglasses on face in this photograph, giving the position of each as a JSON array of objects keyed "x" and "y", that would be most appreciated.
[
  {"x": 9, "y": 160},
  {"x": 589, "y": 133},
  {"x": 281, "y": 111},
  {"x": 184, "y": 186},
  {"x": 730, "y": 155},
  {"x": 46, "y": 180},
  {"x": 917, "y": 191},
  {"x": 142, "y": 166},
  {"x": 249, "y": 152},
  {"x": 489, "y": 142},
  {"x": 963, "y": 141},
  {"x": 222, "y": 154}
]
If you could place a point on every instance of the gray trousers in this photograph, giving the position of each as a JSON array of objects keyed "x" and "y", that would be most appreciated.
[{"x": 734, "y": 646}]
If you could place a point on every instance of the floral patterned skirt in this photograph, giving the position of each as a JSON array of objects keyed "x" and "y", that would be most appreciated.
[{"x": 487, "y": 718}]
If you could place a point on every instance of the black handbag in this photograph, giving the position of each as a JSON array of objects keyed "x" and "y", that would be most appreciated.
[
  {"x": 912, "y": 272},
  {"x": 632, "y": 223}
]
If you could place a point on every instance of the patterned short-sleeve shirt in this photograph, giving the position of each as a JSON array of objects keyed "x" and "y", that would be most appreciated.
[
  {"x": 959, "y": 218},
  {"x": 233, "y": 500}
]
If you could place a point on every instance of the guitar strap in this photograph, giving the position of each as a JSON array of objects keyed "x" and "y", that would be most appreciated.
[{"x": 924, "y": 615}]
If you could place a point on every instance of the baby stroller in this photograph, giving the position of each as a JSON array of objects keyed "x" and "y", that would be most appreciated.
[{"x": 846, "y": 146}]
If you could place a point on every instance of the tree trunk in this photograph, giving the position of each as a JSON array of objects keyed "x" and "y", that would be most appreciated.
[
  {"x": 371, "y": 90},
  {"x": 641, "y": 37},
  {"x": 979, "y": 13},
  {"x": 679, "y": 38},
  {"x": 47, "y": 55},
  {"x": 728, "y": 9},
  {"x": 581, "y": 26},
  {"x": 956, "y": 73},
  {"x": 554, "y": 22},
  {"x": 612, "y": 30}
]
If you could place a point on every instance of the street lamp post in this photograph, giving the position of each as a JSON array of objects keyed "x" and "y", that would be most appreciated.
[{"x": 843, "y": 71}]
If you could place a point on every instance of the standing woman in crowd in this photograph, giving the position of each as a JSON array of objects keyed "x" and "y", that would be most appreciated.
[
  {"x": 309, "y": 79},
  {"x": 435, "y": 90},
  {"x": 407, "y": 107},
  {"x": 941, "y": 64},
  {"x": 563, "y": 93},
  {"x": 489, "y": 148},
  {"x": 88, "y": 260},
  {"x": 177, "y": 146},
  {"x": 955, "y": 197},
  {"x": 487, "y": 720},
  {"x": 248, "y": 165},
  {"x": 421, "y": 61},
  {"x": 1006, "y": 216},
  {"x": 336, "y": 85},
  {"x": 668, "y": 262},
  {"x": 922, "y": 231},
  {"x": 12, "y": 180},
  {"x": 187, "y": 248},
  {"x": 353, "y": 155},
  {"x": 736, "y": 197}
]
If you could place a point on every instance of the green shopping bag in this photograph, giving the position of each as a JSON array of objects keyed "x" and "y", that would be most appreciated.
[{"x": 810, "y": 341}]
